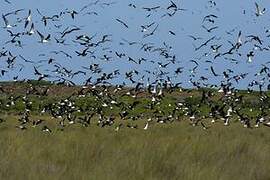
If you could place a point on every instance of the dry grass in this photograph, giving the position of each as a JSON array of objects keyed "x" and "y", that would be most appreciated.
[{"x": 171, "y": 151}]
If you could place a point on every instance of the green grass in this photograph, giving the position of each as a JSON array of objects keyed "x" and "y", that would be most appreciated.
[
  {"x": 174, "y": 150},
  {"x": 171, "y": 151}
]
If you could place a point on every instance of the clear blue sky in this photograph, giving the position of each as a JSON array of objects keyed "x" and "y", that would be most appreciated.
[{"x": 233, "y": 16}]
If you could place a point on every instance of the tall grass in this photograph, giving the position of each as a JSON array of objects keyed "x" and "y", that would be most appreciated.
[{"x": 171, "y": 151}]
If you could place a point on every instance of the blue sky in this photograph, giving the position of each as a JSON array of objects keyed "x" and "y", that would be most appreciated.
[{"x": 233, "y": 16}]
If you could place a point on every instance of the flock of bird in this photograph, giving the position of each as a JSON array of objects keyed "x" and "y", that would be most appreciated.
[{"x": 158, "y": 78}]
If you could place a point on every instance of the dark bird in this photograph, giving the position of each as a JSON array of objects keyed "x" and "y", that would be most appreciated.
[
  {"x": 25, "y": 60},
  {"x": 132, "y": 5},
  {"x": 28, "y": 19},
  {"x": 210, "y": 29},
  {"x": 7, "y": 25},
  {"x": 83, "y": 53},
  {"x": 69, "y": 31},
  {"x": 172, "y": 33},
  {"x": 212, "y": 70},
  {"x": 72, "y": 13},
  {"x": 172, "y": 6},
  {"x": 7, "y": 1},
  {"x": 42, "y": 38},
  {"x": 145, "y": 27},
  {"x": 204, "y": 126},
  {"x": 194, "y": 38},
  {"x": 151, "y": 8},
  {"x": 151, "y": 33},
  {"x": 209, "y": 18},
  {"x": 122, "y": 22},
  {"x": 37, "y": 122},
  {"x": 205, "y": 43},
  {"x": 41, "y": 76}
]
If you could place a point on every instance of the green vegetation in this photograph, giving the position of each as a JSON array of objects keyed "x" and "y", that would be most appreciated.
[
  {"x": 34, "y": 90},
  {"x": 171, "y": 150}
]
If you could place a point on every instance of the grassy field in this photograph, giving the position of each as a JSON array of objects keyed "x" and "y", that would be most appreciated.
[{"x": 171, "y": 151}]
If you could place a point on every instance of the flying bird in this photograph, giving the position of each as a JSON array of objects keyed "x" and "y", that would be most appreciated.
[
  {"x": 122, "y": 22},
  {"x": 42, "y": 38},
  {"x": 28, "y": 19},
  {"x": 259, "y": 11}
]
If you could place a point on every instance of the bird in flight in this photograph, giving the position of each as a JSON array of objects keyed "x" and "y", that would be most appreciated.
[
  {"x": 7, "y": 1},
  {"x": 28, "y": 19},
  {"x": 7, "y": 25},
  {"x": 122, "y": 22},
  {"x": 209, "y": 29},
  {"x": 42, "y": 38},
  {"x": 259, "y": 11}
]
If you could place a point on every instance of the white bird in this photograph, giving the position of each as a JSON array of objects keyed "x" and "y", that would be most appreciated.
[
  {"x": 261, "y": 119},
  {"x": 118, "y": 127},
  {"x": 160, "y": 93},
  {"x": 239, "y": 39},
  {"x": 46, "y": 129},
  {"x": 43, "y": 39},
  {"x": 220, "y": 90},
  {"x": 71, "y": 122},
  {"x": 28, "y": 19},
  {"x": 226, "y": 123},
  {"x": 146, "y": 126},
  {"x": 250, "y": 56},
  {"x": 192, "y": 117},
  {"x": 7, "y": 25},
  {"x": 154, "y": 91},
  {"x": 229, "y": 111},
  {"x": 259, "y": 12}
]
